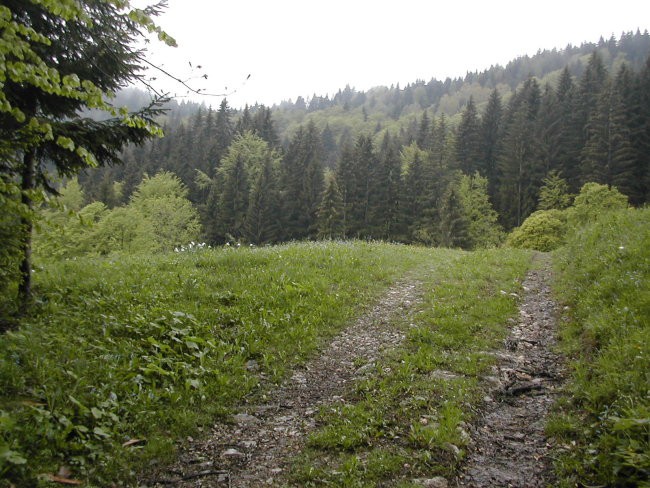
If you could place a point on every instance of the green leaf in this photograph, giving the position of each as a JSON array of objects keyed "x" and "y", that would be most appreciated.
[
  {"x": 101, "y": 432},
  {"x": 65, "y": 143}
]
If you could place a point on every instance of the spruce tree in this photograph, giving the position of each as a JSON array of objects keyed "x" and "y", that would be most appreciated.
[
  {"x": 520, "y": 173},
  {"x": 468, "y": 139},
  {"x": 330, "y": 212},
  {"x": 490, "y": 132},
  {"x": 262, "y": 217},
  {"x": 454, "y": 225},
  {"x": 347, "y": 183},
  {"x": 302, "y": 182},
  {"x": 47, "y": 81},
  {"x": 385, "y": 194}
]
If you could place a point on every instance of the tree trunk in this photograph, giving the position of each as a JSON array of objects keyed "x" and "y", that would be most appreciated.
[{"x": 27, "y": 186}]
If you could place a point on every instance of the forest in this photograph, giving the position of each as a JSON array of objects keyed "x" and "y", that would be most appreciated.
[
  {"x": 167, "y": 268},
  {"x": 357, "y": 167}
]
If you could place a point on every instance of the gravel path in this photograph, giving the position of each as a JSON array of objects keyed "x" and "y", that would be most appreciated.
[
  {"x": 509, "y": 445},
  {"x": 256, "y": 448}
]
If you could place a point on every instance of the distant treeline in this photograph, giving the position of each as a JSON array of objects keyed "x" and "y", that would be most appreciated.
[{"x": 431, "y": 181}]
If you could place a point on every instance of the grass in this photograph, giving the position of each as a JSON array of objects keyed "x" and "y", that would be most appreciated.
[
  {"x": 154, "y": 348},
  {"x": 602, "y": 423},
  {"x": 408, "y": 419}
]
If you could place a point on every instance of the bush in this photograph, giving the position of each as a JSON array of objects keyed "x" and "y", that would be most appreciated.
[
  {"x": 594, "y": 200},
  {"x": 544, "y": 230}
]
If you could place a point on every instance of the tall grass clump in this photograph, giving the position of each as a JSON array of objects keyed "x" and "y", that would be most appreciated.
[
  {"x": 603, "y": 422},
  {"x": 125, "y": 355}
]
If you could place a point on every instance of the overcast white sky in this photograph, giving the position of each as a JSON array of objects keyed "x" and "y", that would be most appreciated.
[{"x": 292, "y": 48}]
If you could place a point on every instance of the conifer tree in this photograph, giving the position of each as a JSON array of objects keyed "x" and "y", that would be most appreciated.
[
  {"x": 47, "y": 80},
  {"x": 347, "y": 183},
  {"x": 416, "y": 223},
  {"x": 424, "y": 132},
  {"x": 330, "y": 212},
  {"x": 302, "y": 182},
  {"x": 554, "y": 193},
  {"x": 262, "y": 217},
  {"x": 490, "y": 131},
  {"x": 233, "y": 197},
  {"x": 568, "y": 135},
  {"x": 519, "y": 169},
  {"x": 454, "y": 225},
  {"x": 385, "y": 194},
  {"x": 468, "y": 150}
]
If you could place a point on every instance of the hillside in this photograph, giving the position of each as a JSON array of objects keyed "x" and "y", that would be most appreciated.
[{"x": 428, "y": 174}]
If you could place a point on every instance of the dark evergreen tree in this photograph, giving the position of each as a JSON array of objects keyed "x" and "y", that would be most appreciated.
[
  {"x": 385, "y": 194},
  {"x": 589, "y": 91},
  {"x": 453, "y": 226},
  {"x": 364, "y": 161},
  {"x": 302, "y": 182},
  {"x": 568, "y": 134},
  {"x": 490, "y": 136},
  {"x": 468, "y": 139},
  {"x": 424, "y": 132},
  {"x": 330, "y": 212},
  {"x": 520, "y": 173},
  {"x": 414, "y": 196},
  {"x": 608, "y": 155},
  {"x": 262, "y": 217},
  {"x": 223, "y": 135},
  {"x": 642, "y": 139},
  {"x": 233, "y": 196},
  {"x": 346, "y": 178},
  {"x": 245, "y": 122}
]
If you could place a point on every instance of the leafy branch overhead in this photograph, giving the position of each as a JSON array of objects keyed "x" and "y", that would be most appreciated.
[{"x": 58, "y": 58}]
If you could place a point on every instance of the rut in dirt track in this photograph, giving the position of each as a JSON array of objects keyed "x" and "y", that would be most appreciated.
[
  {"x": 509, "y": 446},
  {"x": 257, "y": 447}
]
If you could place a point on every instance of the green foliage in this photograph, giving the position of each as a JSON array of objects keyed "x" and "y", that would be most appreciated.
[
  {"x": 554, "y": 194},
  {"x": 330, "y": 212},
  {"x": 123, "y": 347},
  {"x": 161, "y": 201},
  {"x": 483, "y": 229},
  {"x": 544, "y": 230},
  {"x": 158, "y": 218},
  {"x": 601, "y": 423},
  {"x": 595, "y": 199}
]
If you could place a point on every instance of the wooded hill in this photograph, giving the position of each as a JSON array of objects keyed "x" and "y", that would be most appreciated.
[{"x": 428, "y": 163}]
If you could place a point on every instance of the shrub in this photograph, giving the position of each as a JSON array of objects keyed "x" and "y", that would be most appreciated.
[{"x": 544, "y": 230}]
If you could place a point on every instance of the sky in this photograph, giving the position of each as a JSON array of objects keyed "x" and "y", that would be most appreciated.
[{"x": 294, "y": 48}]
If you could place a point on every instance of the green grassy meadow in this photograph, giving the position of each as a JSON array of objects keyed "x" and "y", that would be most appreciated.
[
  {"x": 154, "y": 347},
  {"x": 123, "y": 357}
]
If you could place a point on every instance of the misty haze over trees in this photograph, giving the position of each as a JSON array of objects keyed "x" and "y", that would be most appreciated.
[{"x": 429, "y": 163}]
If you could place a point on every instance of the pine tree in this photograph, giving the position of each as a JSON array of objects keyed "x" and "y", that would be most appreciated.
[
  {"x": 468, "y": 139},
  {"x": 642, "y": 139},
  {"x": 330, "y": 212},
  {"x": 489, "y": 143},
  {"x": 233, "y": 197},
  {"x": 47, "y": 81},
  {"x": 424, "y": 132},
  {"x": 302, "y": 182},
  {"x": 569, "y": 131},
  {"x": 262, "y": 217},
  {"x": 520, "y": 173},
  {"x": 454, "y": 226},
  {"x": 414, "y": 196},
  {"x": 364, "y": 168},
  {"x": 385, "y": 194},
  {"x": 554, "y": 193}
]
